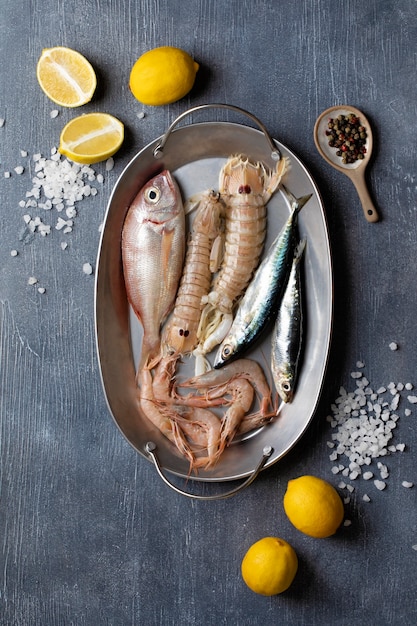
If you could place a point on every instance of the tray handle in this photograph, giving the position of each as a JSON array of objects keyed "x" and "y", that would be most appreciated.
[
  {"x": 150, "y": 448},
  {"x": 159, "y": 149}
]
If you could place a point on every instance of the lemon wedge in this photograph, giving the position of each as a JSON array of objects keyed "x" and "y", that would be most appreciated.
[
  {"x": 91, "y": 138},
  {"x": 65, "y": 76}
]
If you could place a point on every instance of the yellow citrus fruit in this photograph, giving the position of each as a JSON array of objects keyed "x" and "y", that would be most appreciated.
[
  {"x": 269, "y": 566},
  {"x": 91, "y": 138},
  {"x": 162, "y": 75},
  {"x": 313, "y": 506},
  {"x": 66, "y": 76}
]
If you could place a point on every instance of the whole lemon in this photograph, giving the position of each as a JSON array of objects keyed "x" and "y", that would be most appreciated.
[
  {"x": 313, "y": 506},
  {"x": 269, "y": 566},
  {"x": 162, "y": 75}
]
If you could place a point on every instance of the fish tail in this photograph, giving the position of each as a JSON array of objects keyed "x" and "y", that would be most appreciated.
[
  {"x": 299, "y": 251},
  {"x": 150, "y": 353},
  {"x": 296, "y": 204}
]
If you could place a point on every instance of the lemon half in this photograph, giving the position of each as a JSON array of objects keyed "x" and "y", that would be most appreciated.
[
  {"x": 162, "y": 75},
  {"x": 91, "y": 138},
  {"x": 65, "y": 76}
]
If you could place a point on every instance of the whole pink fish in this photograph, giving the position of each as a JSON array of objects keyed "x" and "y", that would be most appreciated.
[{"x": 153, "y": 248}]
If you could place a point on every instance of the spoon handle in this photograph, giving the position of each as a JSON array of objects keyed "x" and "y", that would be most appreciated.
[{"x": 369, "y": 210}]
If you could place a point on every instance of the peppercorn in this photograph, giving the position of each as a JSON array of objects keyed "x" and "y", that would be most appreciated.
[{"x": 347, "y": 136}]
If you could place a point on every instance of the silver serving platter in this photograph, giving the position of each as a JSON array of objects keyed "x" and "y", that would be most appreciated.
[{"x": 195, "y": 154}]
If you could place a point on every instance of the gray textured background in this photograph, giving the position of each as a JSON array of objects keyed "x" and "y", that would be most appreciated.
[{"x": 89, "y": 534}]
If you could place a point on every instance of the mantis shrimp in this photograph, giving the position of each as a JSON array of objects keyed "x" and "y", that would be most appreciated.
[{"x": 246, "y": 188}]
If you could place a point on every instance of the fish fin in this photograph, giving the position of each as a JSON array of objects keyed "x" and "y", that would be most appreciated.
[
  {"x": 193, "y": 202},
  {"x": 166, "y": 248},
  {"x": 299, "y": 251},
  {"x": 296, "y": 204}
]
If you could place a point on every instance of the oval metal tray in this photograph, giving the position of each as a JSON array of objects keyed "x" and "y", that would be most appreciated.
[{"x": 195, "y": 154}]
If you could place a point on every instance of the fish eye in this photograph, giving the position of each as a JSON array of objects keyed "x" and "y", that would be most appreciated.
[
  {"x": 286, "y": 387},
  {"x": 152, "y": 195},
  {"x": 227, "y": 350}
]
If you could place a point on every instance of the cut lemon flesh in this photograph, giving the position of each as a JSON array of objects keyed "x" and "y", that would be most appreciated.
[
  {"x": 91, "y": 138},
  {"x": 65, "y": 76}
]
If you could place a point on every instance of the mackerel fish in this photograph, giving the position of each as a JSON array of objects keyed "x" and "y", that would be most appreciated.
[
  {"x": 287, "y": 335},
  {"x": 265, "y": 290}
]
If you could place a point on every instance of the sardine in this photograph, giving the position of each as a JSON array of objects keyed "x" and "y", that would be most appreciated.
[
  {"x": 262, "y": 296},
  {"x": 153, "y": 248},
  {"x": 287, "y": 335}
]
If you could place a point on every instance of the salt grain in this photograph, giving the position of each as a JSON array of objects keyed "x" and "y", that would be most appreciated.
[
  {"x": 7, "y": 174},
  {"x": 363, "y": 421},
  {"x": 87, "y": 268},
  {"x": 14, "y": 252},
  {"x": 2, "y": 120},
  {"x": 32, "y": 280},
  {"x": 109, "y": 164},
  {"x": 393, "y": 346},
  {"x": 41, "y": 289},
  {"x": 366, "y": 498},
  {"x": 379, "y": 484},
  {"x": 59, "y": 184},
  {"x": 347, "y": 522},
  {"x": 407, "y": 484},
  {"x": 19, "y": 169},
  {"x": 54, "y": 114}
]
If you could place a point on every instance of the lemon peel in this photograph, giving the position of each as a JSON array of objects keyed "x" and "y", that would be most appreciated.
[
  {"x": 91, "y": 138},
  {"x": 269, "y": 566},
  {"x": 65, "y": 76},
  {"x": 162, "y": 75},
  {"x": 313, "y": 506}
]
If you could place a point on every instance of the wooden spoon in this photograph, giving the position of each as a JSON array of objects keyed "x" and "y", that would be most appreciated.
[{"x": 355, "y": 171}]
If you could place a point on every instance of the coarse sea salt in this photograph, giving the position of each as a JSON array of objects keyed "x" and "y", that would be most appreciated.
[
  {"x": 363, "y": 422},
  {"x": 58, "y": 185}
]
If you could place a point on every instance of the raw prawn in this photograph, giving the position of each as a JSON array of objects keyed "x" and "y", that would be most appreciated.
[
  {"x": 183, "y": 426},
  {"x": 163, "y": 420},
  {"x": 238, "y": 379},
  {"x": 241, "y": 368},
  {"x": 165, "y": 389},
  {"x": 246, "y": 188}
]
